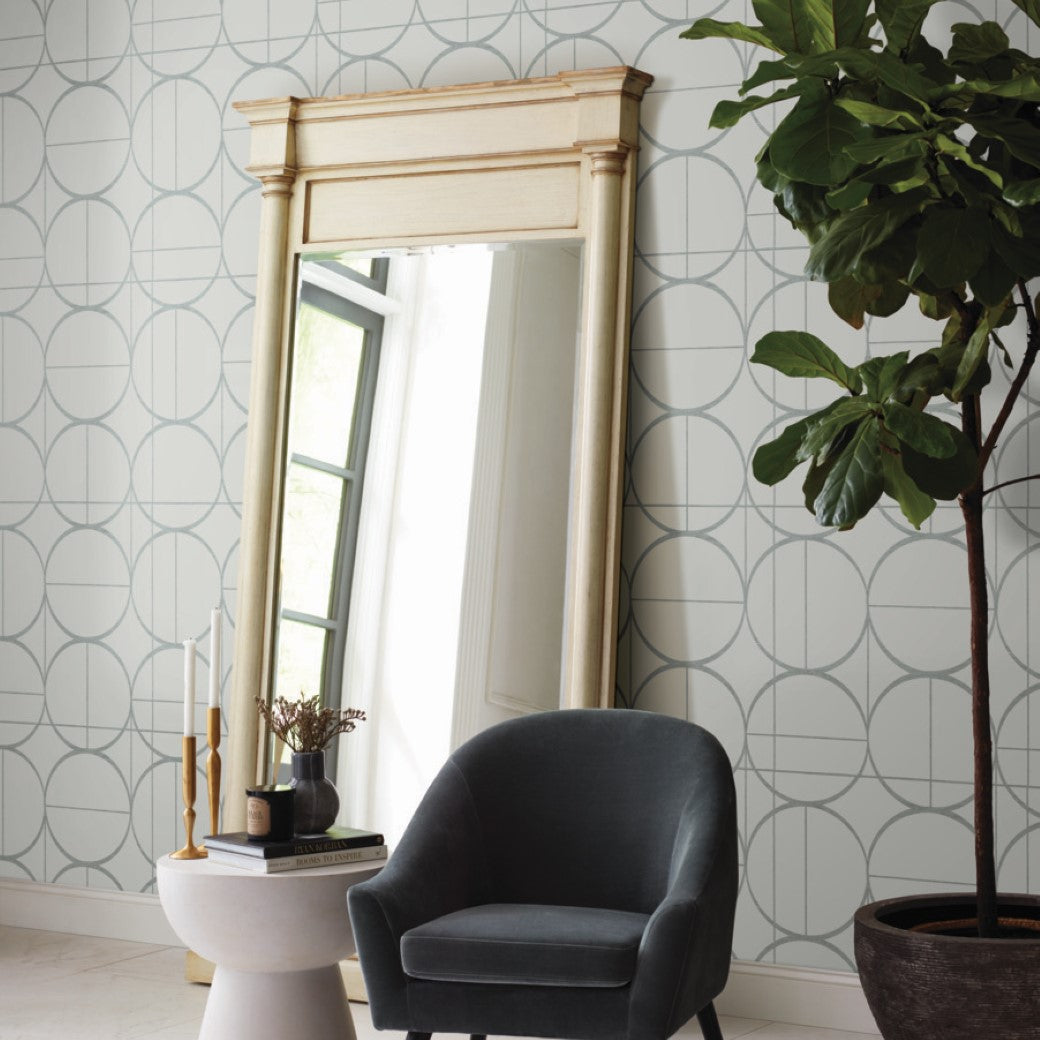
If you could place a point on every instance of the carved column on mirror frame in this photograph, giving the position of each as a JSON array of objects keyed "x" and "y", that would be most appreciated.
[
  {"x": 598, "y": 440},
  {"x": 266, "y": 394}
]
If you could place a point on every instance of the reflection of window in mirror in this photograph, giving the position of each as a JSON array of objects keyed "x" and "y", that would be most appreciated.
[{"x": 335, "y": 364}]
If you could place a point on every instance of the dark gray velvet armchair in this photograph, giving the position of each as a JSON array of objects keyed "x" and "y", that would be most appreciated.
[{"x": 571, "y": 874}]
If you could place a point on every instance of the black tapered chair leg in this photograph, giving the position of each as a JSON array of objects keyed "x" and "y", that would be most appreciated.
[
  {"x": 478, "y": 1036},
  {"x": 709, "y": 1022},
  {"x": 418, "y": 1036}
]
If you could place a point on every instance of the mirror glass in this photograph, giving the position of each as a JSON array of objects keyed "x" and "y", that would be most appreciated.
[{"x": 425, "y": 501}]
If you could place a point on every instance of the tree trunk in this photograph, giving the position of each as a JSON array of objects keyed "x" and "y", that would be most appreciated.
[{"x": 978, "y": 591}]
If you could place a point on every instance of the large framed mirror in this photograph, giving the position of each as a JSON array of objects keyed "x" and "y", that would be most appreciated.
[{"x": 441, "y": 326}]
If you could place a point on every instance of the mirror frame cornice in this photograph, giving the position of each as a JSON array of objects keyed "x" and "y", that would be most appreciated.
[{"x": 546, "y": 158}]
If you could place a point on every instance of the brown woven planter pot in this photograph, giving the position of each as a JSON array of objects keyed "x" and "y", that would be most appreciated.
[{"x": 923, "y": 986}]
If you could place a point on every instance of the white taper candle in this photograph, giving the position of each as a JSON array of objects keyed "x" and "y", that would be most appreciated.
[
  {"x": 189, "y": 687},
  {"x": 214, "y": 658}
]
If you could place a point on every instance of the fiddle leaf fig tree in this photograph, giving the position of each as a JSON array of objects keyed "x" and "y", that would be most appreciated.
[{"x": 911, "y": 173}]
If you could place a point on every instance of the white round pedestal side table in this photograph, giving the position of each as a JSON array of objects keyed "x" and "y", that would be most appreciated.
[{"x": 276, "y": 940}]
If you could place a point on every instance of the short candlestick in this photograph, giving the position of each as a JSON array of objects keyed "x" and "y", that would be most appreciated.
[{"x": 190, "y": 850}]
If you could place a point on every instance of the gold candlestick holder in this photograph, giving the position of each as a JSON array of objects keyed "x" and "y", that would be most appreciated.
[
  {"x": 190, "y": 850},
  {"x": 213, "y": 767}
]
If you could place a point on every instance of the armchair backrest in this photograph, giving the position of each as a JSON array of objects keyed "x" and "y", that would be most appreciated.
[{"x": 582, "y": 807}]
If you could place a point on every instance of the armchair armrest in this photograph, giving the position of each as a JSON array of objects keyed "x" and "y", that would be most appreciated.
[
  {"x": 438, "y": 867},
  {"x": 684, "y": 956}
]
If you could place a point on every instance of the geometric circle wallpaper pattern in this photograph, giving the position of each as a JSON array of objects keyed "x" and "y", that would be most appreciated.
[{"x": 831, "y": 667}]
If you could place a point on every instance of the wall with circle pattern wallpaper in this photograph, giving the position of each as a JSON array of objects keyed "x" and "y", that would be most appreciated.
[{"x": 832, "y": 667}]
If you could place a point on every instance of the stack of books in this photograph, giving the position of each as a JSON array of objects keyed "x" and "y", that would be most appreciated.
[{"x": 336, "y": 845}]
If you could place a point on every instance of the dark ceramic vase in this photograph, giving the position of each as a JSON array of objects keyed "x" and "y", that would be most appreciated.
[
  {"x": 926, "y": 986},
  {"x": 315, "y": 802}
]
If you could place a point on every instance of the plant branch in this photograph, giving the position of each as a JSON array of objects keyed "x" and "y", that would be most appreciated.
[
  {"x": 1032, "y": 345},
  {"x": 1008, "y": 483},
  {"x": 968, "y": 319},
  {"x": 985, "y": 865}
]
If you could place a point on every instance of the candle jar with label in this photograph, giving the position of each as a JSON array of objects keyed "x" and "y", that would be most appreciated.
[{"x": 269, "y": 812}]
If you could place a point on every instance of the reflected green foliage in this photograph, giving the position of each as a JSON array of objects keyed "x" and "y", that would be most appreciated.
[
  {"x": 301, "y": 657},
  {"x": 310, "y": 537},
  {"x": 327, "y": 355}
]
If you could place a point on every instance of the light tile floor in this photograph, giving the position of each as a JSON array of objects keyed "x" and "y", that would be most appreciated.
[{"x": 55, "y": 986}]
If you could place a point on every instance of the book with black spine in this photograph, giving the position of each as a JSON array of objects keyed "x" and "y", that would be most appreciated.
[
  {"x": 283, "y": 864},
  {"x": 333, "y": 840}
]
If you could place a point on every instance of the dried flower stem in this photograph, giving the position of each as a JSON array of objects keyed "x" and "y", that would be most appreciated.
[{"x": 304, "y": 725}]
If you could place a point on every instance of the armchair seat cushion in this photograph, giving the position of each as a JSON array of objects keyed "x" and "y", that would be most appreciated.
[{"x": 527, "y": 945}]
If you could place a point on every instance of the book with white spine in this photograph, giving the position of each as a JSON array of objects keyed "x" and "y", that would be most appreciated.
[{"x": 283, "y": 863}]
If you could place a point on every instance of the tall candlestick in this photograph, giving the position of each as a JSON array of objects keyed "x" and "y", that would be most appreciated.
[
  {"x": 189, "y": 687},
  {"x": 214, "y": 658},
  {"x": 213, "y": 767}
]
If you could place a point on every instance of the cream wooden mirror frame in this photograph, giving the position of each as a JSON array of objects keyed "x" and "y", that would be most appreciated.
[{"x": 547, "y": 159}]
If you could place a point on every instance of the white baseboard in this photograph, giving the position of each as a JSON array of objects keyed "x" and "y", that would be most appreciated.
[
  {"x": 803, "y": 996},
  {"x": 776, "y": 993},
  {"x": 85, "y": 911}
]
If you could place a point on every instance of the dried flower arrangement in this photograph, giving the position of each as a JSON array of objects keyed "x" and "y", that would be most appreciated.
[{"x": 304, "y": 725}]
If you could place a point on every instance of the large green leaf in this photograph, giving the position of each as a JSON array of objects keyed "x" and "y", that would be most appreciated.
[
  {"x": 923, "y": 432},
  {"x": 955, "y": 180},
  {"x": 993, "y": 281},
  {"x": 768, "y": 71},
  {"x": 814, "y": 481},
  {"x": 775, "y": 459},
  {"x": 767, "y": 173},
  {"x": 1023, "y": 193},
  {"x": 916, "y": 506},
  {"x": 882, "y": 375},
  {"x": 1007, "y": 217},
  {"x": 975, "y": 42},
  {"x": 952, "y": 244},
  {"x": 902, "y": 20},
  {"x": 1030, "y": 7},
  {"x": 838, "y": 23},
  {"x": 849, "y": 299},
  {"x": 787, "y": 22},
  {"x": 893, "y": 295},
  {"x": 803, "y": 355},
  {"x": 892, "y": 148},
  {"x": 805, "y": 205},
  {"x": 855, "y": 482},
  {"x": 939, "y": 307},
  {"x": 708, "y": 28},
  {"x": 1020, "y": 253},
  {"x": 922, "y": 376},
  {"x": 964, "y": 92},
  {"x": 880, "y": 68},
  {"x": 809, "y": 144},
  {"x": 885, "y": 68},
  {"x": 943, "y": 478},
  {"x": 898, "y": 176},
  {"x": 852, "y": 194},
  {"x": 893, "y": 258},
  {"x": 878, "y": 115},
  {"x": 1019, "y": 136},
  {"x": 809, "y": 26},
  {"x": 820, "y": 438},
  {"x": 975, "y": 353},
  {"x": 947, "y": 145},
  {"x": 852, "y": 234},
  {"x": 728, "y": 113},
  {"x": 931, "y": 59}
]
